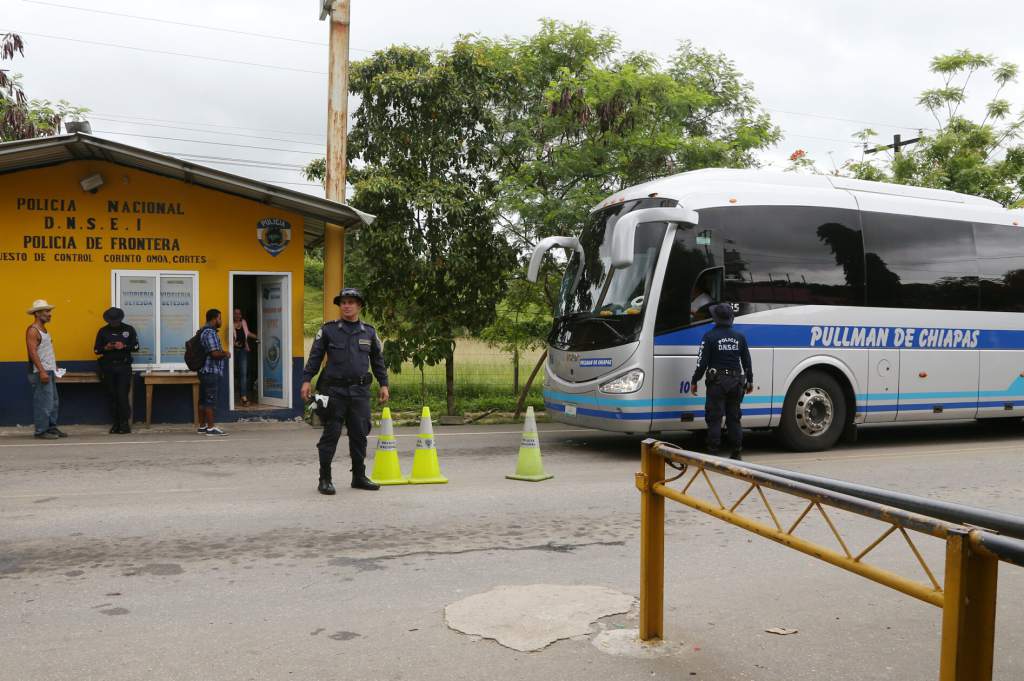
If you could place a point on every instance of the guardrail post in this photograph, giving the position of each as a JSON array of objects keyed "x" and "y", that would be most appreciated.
[
  {"x": 652, "y": 544},
  {"x": 968, "y": 612}
]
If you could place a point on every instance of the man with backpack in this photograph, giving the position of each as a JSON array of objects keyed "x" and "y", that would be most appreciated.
[{"x": 206, "y": 345}]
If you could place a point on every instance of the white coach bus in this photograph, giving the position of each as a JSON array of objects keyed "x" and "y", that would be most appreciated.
[{"x": 863, "y": 302}]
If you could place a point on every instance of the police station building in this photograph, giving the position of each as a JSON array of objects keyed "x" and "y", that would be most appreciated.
[{"x": 87, "y": 223}]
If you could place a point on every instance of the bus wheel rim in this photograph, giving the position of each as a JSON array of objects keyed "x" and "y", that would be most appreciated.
[{"x": 814, "y": 412}]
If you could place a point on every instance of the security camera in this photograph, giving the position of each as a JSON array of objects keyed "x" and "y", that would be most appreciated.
[{"x": 92, "y": 183}]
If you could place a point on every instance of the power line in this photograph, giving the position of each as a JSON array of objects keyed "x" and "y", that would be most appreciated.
[
  {"x": 168, "y": 52},
  {"x": 228, "y": 160},
  {"x": 217, "y": 144},
  {"x": 210, "y": 132},
  {"x": 847, "y": 120},
  {"x": 205, "y": 27},
  {"x": 212, "y": 125}
]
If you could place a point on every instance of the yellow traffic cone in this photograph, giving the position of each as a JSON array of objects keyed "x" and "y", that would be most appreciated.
[
  {"x": 425, "y": 467},
  {"x": 386, "y": 470},
  {"x": 530, "y": 467}
]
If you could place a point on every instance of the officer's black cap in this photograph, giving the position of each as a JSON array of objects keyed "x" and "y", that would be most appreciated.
[
  {"x": 114, "y": 314},
  {"x": 350, "y": 293},
  {"x": 722, "y": 314}
]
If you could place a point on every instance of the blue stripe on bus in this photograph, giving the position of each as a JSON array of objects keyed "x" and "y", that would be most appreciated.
[{"x": 799, "y": 336}]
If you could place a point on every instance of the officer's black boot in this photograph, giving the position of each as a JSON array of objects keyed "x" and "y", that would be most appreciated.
[
  {"x": 359, "y": 479},
  {"x": 737, "y": 454},
  {"x": 115, "y": 429},
  {"x": 325, "y": 486},
  {"x": 125, "y": 428}
]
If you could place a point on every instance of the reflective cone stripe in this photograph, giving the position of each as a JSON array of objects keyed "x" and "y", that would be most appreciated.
[
  {"x": 530, "y": 466},
  {"x": 386, "y": 469},
  {"x": 425, "y": 467}
]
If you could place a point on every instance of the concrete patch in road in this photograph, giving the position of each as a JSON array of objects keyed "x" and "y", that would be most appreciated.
[
  {"x": 531, "y": 617},
  {"x": 627, "y": 643}
]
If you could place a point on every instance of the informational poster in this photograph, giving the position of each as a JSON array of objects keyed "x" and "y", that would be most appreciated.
[
  {"x": 177, "y": 318},
  {"x": 271, "y": 332},
  {"x": 137, "y": 296}
]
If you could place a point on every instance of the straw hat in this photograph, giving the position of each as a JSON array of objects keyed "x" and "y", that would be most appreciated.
[{"x": 38, "y": 306}]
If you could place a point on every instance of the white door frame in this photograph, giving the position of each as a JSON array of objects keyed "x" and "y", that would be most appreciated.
[{"x": 286, "y": 299}]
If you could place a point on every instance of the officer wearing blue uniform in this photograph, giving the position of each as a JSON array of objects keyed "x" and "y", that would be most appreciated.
[
  {"x": 114, "y": 346},
  {"x": 724, "y": 355},
  {"x": 352, "y": 349}
]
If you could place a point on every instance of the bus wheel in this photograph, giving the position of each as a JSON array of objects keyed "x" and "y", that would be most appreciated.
[{"x": 814, "y": 413}]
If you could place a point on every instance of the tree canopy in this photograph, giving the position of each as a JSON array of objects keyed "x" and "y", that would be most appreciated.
[{"x": 20, "y": 117}]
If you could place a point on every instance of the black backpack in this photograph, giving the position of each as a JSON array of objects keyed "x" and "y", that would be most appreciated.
[{"x": 195, "y": 353}]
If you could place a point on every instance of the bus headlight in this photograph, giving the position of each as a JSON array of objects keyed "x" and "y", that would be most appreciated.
[{"x": 626, "y": 383}]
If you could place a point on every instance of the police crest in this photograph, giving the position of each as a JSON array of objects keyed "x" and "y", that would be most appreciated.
[{"x": 274, "y": 234}]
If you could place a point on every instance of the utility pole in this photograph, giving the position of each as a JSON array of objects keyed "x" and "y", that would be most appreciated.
[
  {"x": 337, "y": 142},
  {"x": 897, "y": 144}
]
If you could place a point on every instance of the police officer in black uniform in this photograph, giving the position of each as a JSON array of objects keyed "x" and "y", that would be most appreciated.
[
  {"x": 353, "y": 350},
  {"x": 115, "y": 344},
  {"x": 724, "y": 355}
]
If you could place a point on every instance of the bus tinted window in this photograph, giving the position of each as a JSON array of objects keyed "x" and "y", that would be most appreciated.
[
  {"x": 689, "y": 286},
  {"x": 1000, "y": 251},
  {"x": 792, "y": 255},
  {"x": 920, "y": 263}
]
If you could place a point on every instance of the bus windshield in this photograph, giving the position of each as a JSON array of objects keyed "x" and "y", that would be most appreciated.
[{"x": 599, "y": 305}]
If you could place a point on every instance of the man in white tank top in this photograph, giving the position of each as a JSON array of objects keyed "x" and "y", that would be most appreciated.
[{"x": 42, "y": 374}]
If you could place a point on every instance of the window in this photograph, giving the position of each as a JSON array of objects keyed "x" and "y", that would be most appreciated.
[
  {"x": 693, "y": 277},
  {"x": 919, "y": 263},
  {"x": 162, "y": 308},
  {"x": 1000, "y": 251},
  {"x": 791, "y": 255}
]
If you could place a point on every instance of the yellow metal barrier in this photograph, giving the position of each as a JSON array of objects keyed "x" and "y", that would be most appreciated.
[{"x": 967, "y": 596}]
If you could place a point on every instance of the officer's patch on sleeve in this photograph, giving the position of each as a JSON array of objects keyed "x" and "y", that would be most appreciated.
[
  {"x": 364, "y": 342},
  {"x": 319, "y": 334}
]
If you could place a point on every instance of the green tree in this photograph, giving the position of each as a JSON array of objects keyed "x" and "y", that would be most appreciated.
[
  {"x": 20, "y": 117},
  {"x": 421, "y": 158},
  {"x": 523, "y": 318},
  {"x": 982, "y": 157}
]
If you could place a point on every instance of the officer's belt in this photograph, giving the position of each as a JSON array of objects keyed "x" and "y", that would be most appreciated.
[
  {"x": 727, "y": 372},
  {"x": 328, "y": 382}
]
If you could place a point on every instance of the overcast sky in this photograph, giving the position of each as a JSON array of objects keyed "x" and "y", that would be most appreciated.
[{"x": 822, "y": 69}]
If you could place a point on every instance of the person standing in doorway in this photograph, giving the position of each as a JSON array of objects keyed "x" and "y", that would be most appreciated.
[
  {"x": 42, "y": 372},
  {"x": 115, "y": 344},
  {"x": 211, "y": 373},
  {"x": 242, "y": 349},
  {"x": 352, "y": 350},
  {"x": 724, "y": 355}
]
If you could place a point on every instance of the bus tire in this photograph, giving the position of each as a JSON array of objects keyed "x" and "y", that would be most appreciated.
[{"x": 814, "y": 413}]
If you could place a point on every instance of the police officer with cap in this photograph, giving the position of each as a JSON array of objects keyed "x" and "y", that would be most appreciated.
[
  {"x": 724, "y": 355},
  {"x": 352, "y": 350},
  {"x": 114, "y": 345}
]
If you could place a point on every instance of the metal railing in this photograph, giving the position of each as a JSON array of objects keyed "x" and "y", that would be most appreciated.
[{"x": 976, "y": 540}]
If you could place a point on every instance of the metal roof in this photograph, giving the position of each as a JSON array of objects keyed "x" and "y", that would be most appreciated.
[{"x": 45, "y": 151}]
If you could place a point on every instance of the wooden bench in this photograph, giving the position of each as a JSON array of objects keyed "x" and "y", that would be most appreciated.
[
  {"x": 154, "y": 378},
  {"x": 94, "y": 377}
]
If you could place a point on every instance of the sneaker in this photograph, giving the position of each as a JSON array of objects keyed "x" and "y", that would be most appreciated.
[
  {"x": 214, "y": 430},
  {"x": 48, "y": 435},
  {"x": 57, "y": 431},
  {"x": 201, "y": 430}
]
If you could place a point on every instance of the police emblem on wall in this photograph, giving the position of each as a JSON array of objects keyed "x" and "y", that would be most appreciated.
[{"x": 273, "y": 234}]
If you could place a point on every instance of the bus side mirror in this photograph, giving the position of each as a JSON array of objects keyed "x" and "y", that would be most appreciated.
[
  {"x": 625, "y": 229},
  {"x": 546, "y": 245}
]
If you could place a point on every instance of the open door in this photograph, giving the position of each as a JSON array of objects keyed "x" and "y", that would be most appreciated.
[{"x": 274, "y": 356}]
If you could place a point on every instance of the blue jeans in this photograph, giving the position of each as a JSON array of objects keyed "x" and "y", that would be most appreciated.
[
  {"x": 242, "y": 372},
  {"x": 44, "y": 402}
]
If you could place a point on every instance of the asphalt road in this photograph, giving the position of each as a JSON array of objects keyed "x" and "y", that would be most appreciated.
[{"x": 166, "y": 555}]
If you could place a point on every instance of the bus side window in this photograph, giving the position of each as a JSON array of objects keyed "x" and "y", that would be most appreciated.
[{"x": 694, "y": 251}]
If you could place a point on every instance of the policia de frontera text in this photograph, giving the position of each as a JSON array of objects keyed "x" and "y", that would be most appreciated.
[{"x": 352, "y": 349}]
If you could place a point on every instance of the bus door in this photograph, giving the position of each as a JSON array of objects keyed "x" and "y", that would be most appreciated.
[{"x": 691, "y": 283}]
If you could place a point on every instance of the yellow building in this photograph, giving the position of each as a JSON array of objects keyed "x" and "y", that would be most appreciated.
[{"x": 87, "y": 224}]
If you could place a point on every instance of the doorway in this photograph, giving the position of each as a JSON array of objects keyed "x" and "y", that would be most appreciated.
[{"x": 261, "y": 366}]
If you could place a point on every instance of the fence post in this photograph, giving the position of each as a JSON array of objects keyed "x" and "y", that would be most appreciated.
[
  {"x": 652, "y": 544},
  {"x": 968, "y": 612}
]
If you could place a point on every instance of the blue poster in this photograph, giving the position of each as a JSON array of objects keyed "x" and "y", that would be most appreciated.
[
  {"x": 272, "y": 348},
  {"x": 136, "y": 296},
  {"x": 177, "y": 318}
]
